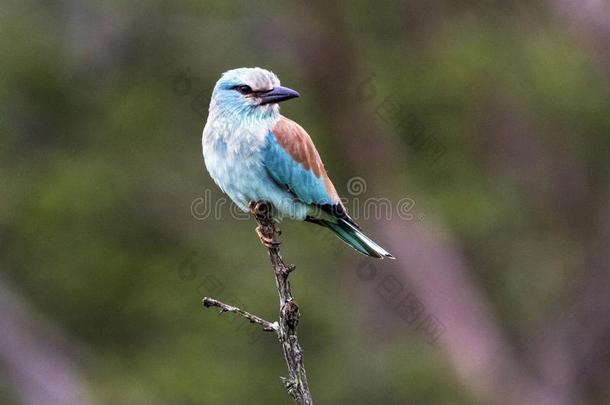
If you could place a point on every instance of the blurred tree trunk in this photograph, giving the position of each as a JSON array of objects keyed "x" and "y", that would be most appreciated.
[
  {"x": 566, "y": 350},
  {"x": 427, "y": 256},
  {"x": 36, "y": 360}
]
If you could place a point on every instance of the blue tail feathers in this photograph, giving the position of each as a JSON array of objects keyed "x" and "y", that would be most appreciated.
[{"x": 354, "y": 237}]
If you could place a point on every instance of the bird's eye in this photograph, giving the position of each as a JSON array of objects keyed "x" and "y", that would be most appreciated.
[{"x": 244, "y": 89}]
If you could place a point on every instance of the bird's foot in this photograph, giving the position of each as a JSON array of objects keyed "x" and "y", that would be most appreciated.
[
  {"x": 267, "y": 241},
  {"x": 266, "y": 229},
  {"x": 261, "y": 210}
]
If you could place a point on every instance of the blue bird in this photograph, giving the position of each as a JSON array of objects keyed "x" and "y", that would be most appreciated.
[{"x": 254, "y": 154}]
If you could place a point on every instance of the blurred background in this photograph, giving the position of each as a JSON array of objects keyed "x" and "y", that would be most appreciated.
[{"x": 470, "y": 138}]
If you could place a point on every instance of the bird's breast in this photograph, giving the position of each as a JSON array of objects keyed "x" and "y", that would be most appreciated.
[{"x": 233, "y": 156}]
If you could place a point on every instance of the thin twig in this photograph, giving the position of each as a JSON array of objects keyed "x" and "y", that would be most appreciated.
[
  {"x": 286, "y": 328},
  {"x": 267, "y": 326},
  {"x": 296, "y": 382}
]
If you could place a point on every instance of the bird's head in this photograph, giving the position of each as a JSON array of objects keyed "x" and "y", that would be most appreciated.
[{"x": 251, "y": 92}]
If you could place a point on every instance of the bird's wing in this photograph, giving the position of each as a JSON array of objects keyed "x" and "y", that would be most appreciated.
[{"x": 293, "y": 162}]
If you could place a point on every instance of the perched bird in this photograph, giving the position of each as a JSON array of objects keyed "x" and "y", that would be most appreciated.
[{"x": 254, "y": 154}]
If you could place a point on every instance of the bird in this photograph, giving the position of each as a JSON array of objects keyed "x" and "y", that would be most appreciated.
[{"x": 255, "y": 154}]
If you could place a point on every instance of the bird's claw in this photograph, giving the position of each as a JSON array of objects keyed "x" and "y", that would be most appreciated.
[{"x": 268, "y": 242}]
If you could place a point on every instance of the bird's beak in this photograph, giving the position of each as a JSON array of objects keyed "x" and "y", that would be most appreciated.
[{"x": 277, "y": 94}]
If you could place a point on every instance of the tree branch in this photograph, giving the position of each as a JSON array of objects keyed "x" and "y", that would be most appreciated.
[
  {"x": 267, "y": 326},
  {"x": 286, "y": 328}
]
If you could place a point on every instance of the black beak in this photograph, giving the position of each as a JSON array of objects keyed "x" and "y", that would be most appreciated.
[{"x": 277, "y": 94}]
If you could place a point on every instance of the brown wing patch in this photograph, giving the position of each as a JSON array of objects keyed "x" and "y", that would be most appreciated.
[{"x": 293, "y": 138}]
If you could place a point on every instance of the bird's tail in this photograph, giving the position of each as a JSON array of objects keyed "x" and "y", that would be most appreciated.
[{"x": 355, "y": 238}]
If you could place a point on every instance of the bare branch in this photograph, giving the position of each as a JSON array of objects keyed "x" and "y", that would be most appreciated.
[
  {"x": 286, "y": 328},
  {"x": 267, "y": 326},
  {"x": 296, "y": 382}
]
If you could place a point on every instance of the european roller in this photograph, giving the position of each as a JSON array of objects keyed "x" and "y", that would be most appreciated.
[{"x": 255, "y": 154}]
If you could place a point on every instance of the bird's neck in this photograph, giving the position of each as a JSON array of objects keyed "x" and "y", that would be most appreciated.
[{"x": 230, "y": 125}]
